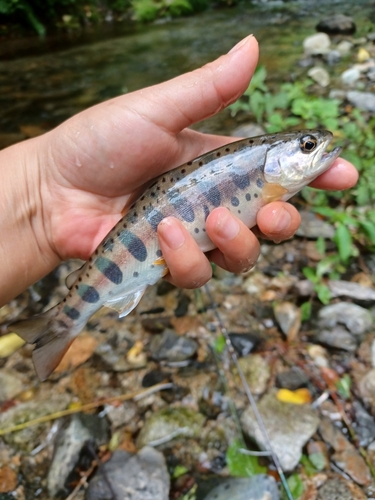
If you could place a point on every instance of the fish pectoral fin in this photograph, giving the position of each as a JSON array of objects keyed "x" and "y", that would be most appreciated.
[
  {"x": 124, "y": 304},
  {"x": 72, "y": 277}
]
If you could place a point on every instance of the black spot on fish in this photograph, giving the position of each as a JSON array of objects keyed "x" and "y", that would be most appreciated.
[
  {"x": 184, "y": 170},
  {"x": 248, "y": 196},
  {"x": 108, "y": 245},
  {"x": 189, "y": 163},
  {"x": 260, "y": 183},
  {"x": 154, "y": 218},
  {"x": 196, "y": 230},
  {"x": 206, "y": 211},
  {"x": 213, "y": 196},
  {"x": 71, "y": 312},
  {"x": 255, "y": 195},
  {"x": 135, "y": 274},
  {"x": 159, "y": 253},
  {"x": 134, "y": 244},
  {"x": 88, "y": 294},
  {"x": 184, "y": 209},
  {"x": 110, "y": 270},
  {"x": 218, "y": 154},
  {"x": 235, "y": 201},
  {"x": 242, "y": 181},
  {"x": 227, "y": 150}
]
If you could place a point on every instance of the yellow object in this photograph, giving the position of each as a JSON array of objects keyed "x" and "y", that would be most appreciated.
[
  {"x": 9, "y": 344},
  {"x": 298, "y": 397},
  {"x": 363, "y": 55}
]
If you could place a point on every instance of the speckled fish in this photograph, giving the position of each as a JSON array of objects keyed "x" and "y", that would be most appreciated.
[{"x": 242, "y": 176}]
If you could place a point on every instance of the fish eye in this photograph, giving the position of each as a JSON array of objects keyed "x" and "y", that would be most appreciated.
[{"x": 308, "y": 143}]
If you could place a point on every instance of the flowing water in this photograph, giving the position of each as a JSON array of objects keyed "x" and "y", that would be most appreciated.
[{"x": 43, "y": 82}]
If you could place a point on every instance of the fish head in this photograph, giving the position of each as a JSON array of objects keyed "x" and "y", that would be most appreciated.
[{"x": 297, "y": 158}]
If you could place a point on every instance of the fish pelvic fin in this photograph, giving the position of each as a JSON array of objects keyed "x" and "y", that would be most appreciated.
[{"x": 52, "y": 338}]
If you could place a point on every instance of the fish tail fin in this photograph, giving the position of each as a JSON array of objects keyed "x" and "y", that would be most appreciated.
[{"x": 52, "y": 338}]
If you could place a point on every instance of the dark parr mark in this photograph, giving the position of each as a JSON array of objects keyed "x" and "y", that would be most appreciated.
[
  {"x": 242, "y": 181},
  {"x": 159, "y": 253},
  {"x": 213, "y": 196},
  {"x": 235, "y": 201},
  {"x": 135, "y": 274},
  {"x": 109, "y": 269},
  {"x": 184, "y": 209},
  {"x": 248, "y": 196},
  {"x": 88, "y": 293},
  {"x": 71, "y": 312},
  {"x": 154, "y": 218},
  {"x": 260, "y": 183},
  {"x": 134, "y": 244},
  {"x": 206, "y": 211}
]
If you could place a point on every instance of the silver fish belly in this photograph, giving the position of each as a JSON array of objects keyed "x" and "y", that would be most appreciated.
[{"x": 242, "y": 176}]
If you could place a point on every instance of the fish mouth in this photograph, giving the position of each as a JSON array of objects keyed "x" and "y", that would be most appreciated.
[{"x": 327, "y": 159}]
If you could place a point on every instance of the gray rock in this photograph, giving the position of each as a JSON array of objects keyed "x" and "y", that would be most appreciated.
[
  {"x": 335, "y": 489},
  {"x": 292, "y": 379},
  {"x": 362, "y": 100},
  {"x": 11, "y": 384},
  {"x": 332, "y": 57},
  {"x": 350, "y": 76},
  {"x": 355, "y": 291},
  {"x": 337, "y": 94},
  {"x": 338, "y": 24},
  {"x": 319, "y": 75},
  {"x": 259, "y": 487},
  {"x": 248, "y": 130},
  {"x": 356, "y": 319},
  {"x": 257, "y": 372},
  {"x": 366, "y": 387},
  {"x": 344, "y": 47},
  {"x": 168, "y": 423},
  {"x": 289, "y": 427},
  {"x": 143, "y": 476},
  {"x": 316, "y": 44},
  {"x": 304, "y": 288},
  {"x": 313, "y": 227},
  {"x": 75, "y": 432},
  {"x": 365, "y": 424},
  {"x": 338, "y": 338},
  {"x": 288, "y": 316},
  {"x": 172, "y": 347}
]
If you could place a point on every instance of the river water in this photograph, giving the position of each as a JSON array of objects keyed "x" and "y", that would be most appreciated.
[{"x": 43, "y": 82}]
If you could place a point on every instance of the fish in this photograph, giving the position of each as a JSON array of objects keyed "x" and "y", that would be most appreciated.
[{"x": 242, "y": 176}]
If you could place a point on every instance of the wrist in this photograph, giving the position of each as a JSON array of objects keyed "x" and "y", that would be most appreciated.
[{"x": 25, "y": 253}]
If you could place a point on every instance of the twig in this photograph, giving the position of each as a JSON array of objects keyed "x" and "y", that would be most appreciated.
[{"x": 82, "y": 481}]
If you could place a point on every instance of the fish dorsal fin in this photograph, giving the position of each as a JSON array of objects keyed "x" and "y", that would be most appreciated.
[
  {"x": 124, "y": 304},
  {"x": 71, "y": 278}
]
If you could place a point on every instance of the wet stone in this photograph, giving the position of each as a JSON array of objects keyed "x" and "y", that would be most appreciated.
[
  {"x": 293, "y": 379},
  {"x": 75, "y": 433},
  {"x": 338, "y": 337},
  {"x": 243, "y": 343},
  {"x": 356, "y": 319},
  {"x": 143, "y": 476},
  {"x": 355, "y": 291},
  {"x": 289, "y": 428},
  {"x": 172, "y": 347},
  {"x": 258, "y": 487}
]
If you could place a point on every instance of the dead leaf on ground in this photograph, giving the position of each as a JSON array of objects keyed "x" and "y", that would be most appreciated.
[{"x": 79, "y": 352}]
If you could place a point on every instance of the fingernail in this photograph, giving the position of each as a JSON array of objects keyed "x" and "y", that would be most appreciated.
[
  {"x": 281, "y": 220},
  {"x": 227, "y": 227},
  {"x": 240, "y": 44},
  {"x": 171, "y": 233}
]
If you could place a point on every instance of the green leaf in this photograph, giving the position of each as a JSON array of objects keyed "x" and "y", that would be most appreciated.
[
  {"x": 308, "y": 465},
  {"x": 318, "y": 460},
  {"x": 369, "y": 230},
  {"x": 323, "y": 293},
  {"x": 343, "y": 386},
  {"x": 344, "y": 242},
  {"x": 240, "y": 464},
  {"x": 306, "y": 308},
  {"x": 310, "y": 274},
  {"x": 219, "y": 344},
  {"x": 296, "y": 487},
  {"x": 179, "y": 470}
]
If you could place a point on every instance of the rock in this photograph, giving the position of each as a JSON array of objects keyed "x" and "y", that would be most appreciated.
[
  {"x": 248, "y": 130},
  {"x": 289, "y": 427},
  {"x": 366, "y": 387},
  {"x": 334, "y": 489},
  {"x": 122, "y": 414},
  {"x": 313, "y": 227},
  {"x": 288, "y": 316},
  {"x": 350, "y": 76},
  {"x": 338, "y": 24},
  {"x": 257, "y": 372},
  {"x": 355, "y": 291},
  {"x": 338, "y": 337},
  {"x": 337, "y": 94},
  {"x": 344, "y": 47},
  {"x": 167, "y": 423},
  {"x": 304, "y": 288},
  {"x": 332, "y": 57},
  {"x": 318, "y": 354},
  {"x": 316, "y": 44},
  {"x": 259, "y": 487},
  {"x": 182, "y": 306},
  {"x": 75, "y": 433},
  {"x": 365, "y": 424},
  {"x": 243, "y": 343},
  {"x": 172, "y": 347},
  {"x": 143, "y": 476},
  {"x": 292, "y": 379},
  {"x": 11, "y": 384},
  {"x": 115, "y": 352},
  {"x": 357, "y": 319},
  {"x": 346, "y": 457},
  {"x": 362, "y": 100},
  {"x": 319, "y": 75}
]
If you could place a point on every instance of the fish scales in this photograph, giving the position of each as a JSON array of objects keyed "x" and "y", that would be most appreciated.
[{"x": 242, "y": 176}]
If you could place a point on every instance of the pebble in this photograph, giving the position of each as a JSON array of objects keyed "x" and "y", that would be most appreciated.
[
  {"x": 344, "y": 47},
  {"x": 292, "y": 379},
  {"x": 74, "y": 434},
  {"x": 320, "y": 75},
  {"x": 257, "y": 372},
  {"x": 11, "y": 384},
  {"x": 143, "y": 476},
  {"x": 334, "y": 489},
  {"x": 164, "y": 425},
  {"x": 244, "y": 343},
  {"x": 316, "y": 44},
  {"x": 365, "y": 424},
  {"x": 258, "y": 487},
  {"x": 288, "y": 316},
  {"x": 332, "y": 57},
  {"x": 338, "y": 24},
  {"x": 355, "y": 291},
  {"x": 357, "y": 319},
  {"x": 313, "y": 227},
  {"x": 350, "y": 76},
  {"x": 362, "y": 100},
  {"x": 366, "y": 387},
  {"x": 346, "y": 457},
  {"x": 338, "y": 337},
  {"x": 172, "y": 347},
  {"x": 289, "y": 427}
]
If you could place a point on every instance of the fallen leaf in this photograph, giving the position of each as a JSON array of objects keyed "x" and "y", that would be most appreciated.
[
  {"x": 79, "y": 352},
  {"x": 8, "y": 479},
  {"x": 9, "y": 344},
  {"x": 298, "y": 397}
]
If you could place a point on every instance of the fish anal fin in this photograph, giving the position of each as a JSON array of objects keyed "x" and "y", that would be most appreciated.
[
  {"x": 126, "y": 303},
  {"x": 48, "y": 356},
  {"x": 72, "y": 277}
]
